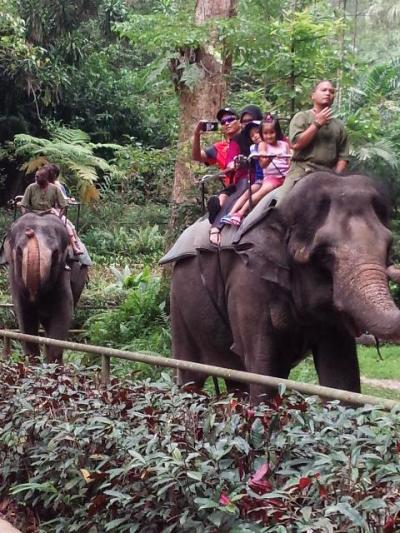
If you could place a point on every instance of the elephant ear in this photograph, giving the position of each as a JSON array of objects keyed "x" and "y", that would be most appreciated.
[
  {"x": 300, "y": 244},
  {"x": 5, "y": 256},
  {"x": 263, "y": 250}
]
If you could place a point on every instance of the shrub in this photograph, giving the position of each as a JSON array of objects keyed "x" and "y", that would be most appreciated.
[
  {"x": 151, "y": 458},
  {"x": 142, "y": 245},
  {"x": 140, "y": 322},
  {"x": 147, "y": 175}
]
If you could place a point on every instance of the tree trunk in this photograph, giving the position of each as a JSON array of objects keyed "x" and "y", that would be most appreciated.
[{"x": 201, "y": 101}]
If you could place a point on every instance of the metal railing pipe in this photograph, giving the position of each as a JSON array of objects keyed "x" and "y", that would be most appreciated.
[{"x": 227, "y": 373}]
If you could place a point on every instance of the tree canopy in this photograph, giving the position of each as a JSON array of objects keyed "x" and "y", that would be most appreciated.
[{"x": 113, "y": 68}]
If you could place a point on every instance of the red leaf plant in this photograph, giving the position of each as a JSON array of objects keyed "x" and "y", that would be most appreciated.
[
  {"x": 224, "y": 499},
  {"x": 258, "y": 483}
]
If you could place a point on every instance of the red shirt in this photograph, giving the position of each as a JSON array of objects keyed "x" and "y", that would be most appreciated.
[{"x": 221, "y": 154}]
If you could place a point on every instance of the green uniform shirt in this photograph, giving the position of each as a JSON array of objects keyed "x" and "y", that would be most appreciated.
[
  {"x": 38, "y": 199},
  {"x": 329, "y": 145}
]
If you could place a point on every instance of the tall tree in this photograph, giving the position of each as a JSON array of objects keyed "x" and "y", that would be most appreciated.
[{"x": 209, "y": 64}]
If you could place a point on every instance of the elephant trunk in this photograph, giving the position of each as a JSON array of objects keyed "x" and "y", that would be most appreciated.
[
  {"x": 393, "y": 273},
  {"x": 35, "y": 264},
  {"x": 362, "y": 293},
  {"x": 31, "y": 264}
]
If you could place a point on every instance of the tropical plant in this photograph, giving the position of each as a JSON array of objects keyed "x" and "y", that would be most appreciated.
[
  {"x": 140, "y": 320},
  {"x": 73, "y": 151},
  {"x": 149, "y": 457}
]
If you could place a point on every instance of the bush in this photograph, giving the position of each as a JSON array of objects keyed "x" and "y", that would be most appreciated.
[
  {"x": 147, "y": 175},
  {"x": 140, "y": 322},
  {"x": 150, "y": 458},
  {"x": 142, "y": 245}
]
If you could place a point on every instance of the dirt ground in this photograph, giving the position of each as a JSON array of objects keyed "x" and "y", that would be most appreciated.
[{"x": 383, "y": 383}]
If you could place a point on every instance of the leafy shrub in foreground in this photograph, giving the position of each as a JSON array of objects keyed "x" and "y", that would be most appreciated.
[{"x": 150, "y": 458}]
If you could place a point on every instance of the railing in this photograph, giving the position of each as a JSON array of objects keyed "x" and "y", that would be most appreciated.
[{"x": 227, "y": 373}]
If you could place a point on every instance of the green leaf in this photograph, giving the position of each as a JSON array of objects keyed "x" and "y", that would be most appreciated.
[
  {"x": 206, "y": 503},
  {"x": 195, "y": 475},
  {"x": 349, "y": 512}
]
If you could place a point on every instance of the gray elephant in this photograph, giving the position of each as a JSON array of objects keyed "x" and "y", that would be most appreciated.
[
  {"x": 309, "y": 275},
  {"x": 44, "y": 287}
]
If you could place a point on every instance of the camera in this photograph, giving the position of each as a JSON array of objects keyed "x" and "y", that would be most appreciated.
[{"x": 209, "y": 125}]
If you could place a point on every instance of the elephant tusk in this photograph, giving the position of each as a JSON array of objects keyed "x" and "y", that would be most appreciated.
[{"x": 393, "y": 273}]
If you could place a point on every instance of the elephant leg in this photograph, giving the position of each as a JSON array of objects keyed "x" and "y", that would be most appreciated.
[
  {"x": 237, "y": 387},
  {"x": 56, "y": 317},
  {"x": 28, "y": 322},
  {"x": 261, "y": 354},
  {"x": 335, "y": 359},
  {"x": 256, "y": 341},
  {"x": 198, "y": 332}
]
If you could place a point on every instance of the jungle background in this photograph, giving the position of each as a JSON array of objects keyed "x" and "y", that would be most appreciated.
[{"x": 111, "y": 89}]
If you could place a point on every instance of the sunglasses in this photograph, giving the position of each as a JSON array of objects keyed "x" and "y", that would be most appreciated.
[{"x": 227, "y": 120}]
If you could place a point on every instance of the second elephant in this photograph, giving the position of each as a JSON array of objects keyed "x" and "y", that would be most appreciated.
[{"x": 44, "y": 288}]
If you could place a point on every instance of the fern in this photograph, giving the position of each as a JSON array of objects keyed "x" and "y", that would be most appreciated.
[
  {"x": 73, "y": 152},
  {"x": 70, "y": 136}
]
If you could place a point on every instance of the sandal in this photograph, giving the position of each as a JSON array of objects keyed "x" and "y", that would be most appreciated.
[
  {"x": 236, "y": 219},
  {"x": 226, "y": 219},
  {"x": 215, "y": 236}
]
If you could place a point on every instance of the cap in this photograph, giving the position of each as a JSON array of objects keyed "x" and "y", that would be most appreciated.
[
  {"x": 226, "y": 111},
  {"x": 252, "y": 110}
]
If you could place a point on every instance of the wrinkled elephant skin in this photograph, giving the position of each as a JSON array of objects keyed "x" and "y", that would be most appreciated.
[
  {"x": 43, "y": 290},
  {"x": 310, "y": 276}
]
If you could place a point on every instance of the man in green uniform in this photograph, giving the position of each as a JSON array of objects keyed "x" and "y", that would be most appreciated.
[
  {"x": 319, "y": 140},
  {"x": 43, "y": 195}
]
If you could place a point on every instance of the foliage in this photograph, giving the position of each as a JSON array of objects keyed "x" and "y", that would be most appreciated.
[
  {"x": 140, "y": 321},
  {"x": 143, "y": 245},
  {"x": 73, "y": 151},
  {"x": 299, "y": 46},
  {"x": 146, "y": 175},
  {"x": 150, "y": 458}
]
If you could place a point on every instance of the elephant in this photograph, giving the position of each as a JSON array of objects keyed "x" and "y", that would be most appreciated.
[
  {"x": 45, "y": 286},
  {"x": 309, "y": 275}
]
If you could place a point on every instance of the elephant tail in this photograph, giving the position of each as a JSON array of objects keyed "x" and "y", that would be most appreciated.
[{"x": 31, "y": 264}]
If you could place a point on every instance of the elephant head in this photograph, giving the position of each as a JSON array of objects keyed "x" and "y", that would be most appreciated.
[
  {"x": 36, "y": 249},
  {"x": 338, "y": 245}
]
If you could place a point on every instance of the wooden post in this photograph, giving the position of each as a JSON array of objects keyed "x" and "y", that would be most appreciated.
[
  {"x": 6, "y": 347},
  {"x": 105, "y": 370},
  {"x": 46, "y": 352}
]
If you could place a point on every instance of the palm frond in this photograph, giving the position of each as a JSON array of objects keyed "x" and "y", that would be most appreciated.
[
  {"x": 87, "y": 174},
  {"x": 383, "y": 149},
  {"x": 33, "y": 164},
  {"x": 69, "y": 136},
  {"x": 89, "y": 193}
]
